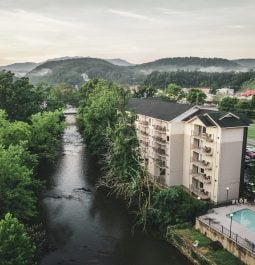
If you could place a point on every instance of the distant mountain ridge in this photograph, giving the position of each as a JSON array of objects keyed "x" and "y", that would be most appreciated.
[
  {"x": 76, "y": 70},
  {"x": 249, "y": 63},
  {"x": 119, "y": 62},
  {"x": 20, "y": 69}
]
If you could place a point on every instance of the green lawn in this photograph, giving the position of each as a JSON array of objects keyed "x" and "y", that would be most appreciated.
[
  {"x": 219, "y": 256},
  {"x": 251, "y": 131}
]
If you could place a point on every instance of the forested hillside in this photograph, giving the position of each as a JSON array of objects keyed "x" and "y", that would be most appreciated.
[
  {"x": 75, "y": 71},
  {"x": 199, "y": 79}
]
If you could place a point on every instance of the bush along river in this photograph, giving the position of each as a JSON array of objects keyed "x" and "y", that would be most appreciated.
[{"x": 84, "y": 226}]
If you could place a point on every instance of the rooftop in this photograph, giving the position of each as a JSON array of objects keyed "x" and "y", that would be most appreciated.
[
  {"x": 167, "y": 111},
  {"x": 226, "y": 119},
  {"x": 157, "y": 108}
]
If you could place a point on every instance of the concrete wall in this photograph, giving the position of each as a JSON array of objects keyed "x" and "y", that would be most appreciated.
[
  {"x": 187, "y": 153},
  {"x": 243, "y": 254},
  {"x": 230, "y": 163},
  {"x": 175, "y": 158}
]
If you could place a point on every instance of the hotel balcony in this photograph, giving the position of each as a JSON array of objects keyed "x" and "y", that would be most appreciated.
[
  {"x": 143, "y": 150},
  {"x": 207, "y": 137},
  {"x": 161, "y": 163},
  {"x": 159, "y": 151},
  {"x": 144, "y": 123},
  {"x": 202, "y": 163},
  {"x": 204, "y": 136},
  {"x": 202, "y": 193},
  {"x": 144, "y": 143},
  {"x": 159, "y": 140},
  {"x": 144, "y": 133},
  {"x": 159, "y": 128},
  {"x": 208, "y": 151},
  {"x": 202, "y": 177}
]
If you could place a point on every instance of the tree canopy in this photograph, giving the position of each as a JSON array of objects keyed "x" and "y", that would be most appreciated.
[
  {"x": 16, "y": 247},
  {"x": 196, "y": 97}
]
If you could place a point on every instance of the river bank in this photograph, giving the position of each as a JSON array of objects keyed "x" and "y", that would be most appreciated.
[{"x": 87, "y": 227}]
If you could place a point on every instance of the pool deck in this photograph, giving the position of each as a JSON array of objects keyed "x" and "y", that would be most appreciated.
[{"x": 219, "y": 217}]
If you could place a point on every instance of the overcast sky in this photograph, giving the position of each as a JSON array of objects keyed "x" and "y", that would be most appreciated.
[{"x": 136, "y": 30}]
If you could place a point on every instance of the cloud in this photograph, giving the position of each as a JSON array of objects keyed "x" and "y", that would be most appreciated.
[
  {"x": 236, "y": 26},
  {"x": 129, "y": 14}
]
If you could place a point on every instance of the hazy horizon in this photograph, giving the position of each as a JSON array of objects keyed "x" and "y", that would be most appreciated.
[{"x": 137, "y": 31}]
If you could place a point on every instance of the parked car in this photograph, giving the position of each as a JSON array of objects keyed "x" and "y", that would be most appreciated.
[
  {"x": 247, "y": 158},
  {"x": 250, "y": 154}
]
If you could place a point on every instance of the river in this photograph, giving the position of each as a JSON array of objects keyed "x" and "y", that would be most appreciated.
[{"x": 89, "y": 228}]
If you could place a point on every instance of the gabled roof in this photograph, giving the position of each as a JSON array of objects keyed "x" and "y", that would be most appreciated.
[
  {"x": 199, "y": 112},
  {"x": 227, "y": 119},
  {"x": 205, "y": 120},
  {"x": 157, "y": 108},
  {"x": 165, "y": 110}
]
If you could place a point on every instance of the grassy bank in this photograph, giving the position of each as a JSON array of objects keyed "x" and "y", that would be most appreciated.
[
  {"x": 251, "y": 131},
  {"x": 207, "y": 252}
]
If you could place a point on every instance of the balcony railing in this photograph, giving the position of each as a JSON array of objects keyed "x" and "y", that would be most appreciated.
[
  {"x": 202, "y": 177},
  {"x": 144, "y": 123},
  {"x": 160, "y": 128},
  {"x": 205, "y": 136},
  {"x": 161, "y": 163},
  {"x": 207, "y": 151},
  {"x": 202, "y": 163},
  {"x": 159, "y": 140},
  {"x": 144, "y": 133},
  {"x": 202, "y": 193},
  {"x": 160, "y": 151},
  {"x": 144, "y": 143}
]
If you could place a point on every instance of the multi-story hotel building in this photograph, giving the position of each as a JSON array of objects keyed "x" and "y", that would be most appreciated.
[{"x": 201, "y": 149}]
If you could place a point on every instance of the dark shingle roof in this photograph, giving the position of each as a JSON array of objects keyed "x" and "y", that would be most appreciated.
[
  {"x": 157, "y": 108},
  {"x": 165, "y": 110},
  {"x": 229, "y": 121},
  {"x": 199, "y": 112},
  {"x": 206, "y": 121}
]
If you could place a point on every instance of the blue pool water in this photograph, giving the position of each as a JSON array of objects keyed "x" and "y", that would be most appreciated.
[{"x": 245, "y": 217}]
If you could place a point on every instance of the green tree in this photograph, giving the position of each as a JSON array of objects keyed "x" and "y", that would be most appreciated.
[
  {"x": 172, "y": 93},
  {"x": 16, "y": 247},
  {"x": 17, "y": 97},
  {"x": 243, "y": 107},
  {"x": 228, "y": 104},
  {"x": 253, "y": 102},
  {"x": 125, "y": 176},
  {"x": 17, "y": 185},
  {"x": 97, "y": 112},
  {"x": 146, "y": 91},
  {"x": 122, "y": 158},
  {"x": 13, "y": 133},
  {"x": 174, "y": 206},
  {"x": 46, "y": 130},
  {"x": 196, "y": 97}
]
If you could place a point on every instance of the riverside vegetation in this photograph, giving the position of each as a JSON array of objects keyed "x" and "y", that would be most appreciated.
[
  {"x": 31, "y": 125},
  {"x": 30, "y": 132},
  {"x": 109, "y": 132}
]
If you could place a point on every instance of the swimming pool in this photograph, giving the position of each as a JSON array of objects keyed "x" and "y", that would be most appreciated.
[{"x": 245, "y": 217}]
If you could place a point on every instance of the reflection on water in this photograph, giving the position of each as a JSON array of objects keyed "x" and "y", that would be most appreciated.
[{"x": 86, "y": 227}]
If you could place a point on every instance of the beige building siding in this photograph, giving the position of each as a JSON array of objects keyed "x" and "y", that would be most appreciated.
[
  {"x": 230, "y": 163},
  {"x": 204, "y": 159}
]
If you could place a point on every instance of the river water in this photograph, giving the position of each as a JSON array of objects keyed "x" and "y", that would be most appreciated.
[{"x": 89, "y": 228}]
